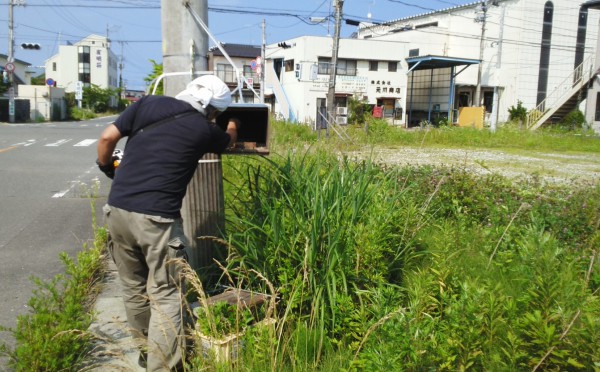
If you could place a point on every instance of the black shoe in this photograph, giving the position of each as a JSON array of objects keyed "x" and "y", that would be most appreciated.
[{"x": 142, "y": 360}]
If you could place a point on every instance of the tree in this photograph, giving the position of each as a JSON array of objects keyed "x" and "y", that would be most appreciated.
[
  {"x": 157, "y": 70},
  {"x": 39, "y": 80},
  {"x": 4, "y": 85},
  {"x": 96, "y": 98}
]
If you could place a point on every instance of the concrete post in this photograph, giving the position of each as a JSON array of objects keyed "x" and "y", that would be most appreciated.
[{"x": 185, "y": 48}]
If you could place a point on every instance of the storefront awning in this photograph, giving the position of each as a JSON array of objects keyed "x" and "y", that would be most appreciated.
[{"x": 433, "y": 62}]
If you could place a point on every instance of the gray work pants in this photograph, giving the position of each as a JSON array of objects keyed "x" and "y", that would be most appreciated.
[{"x": 143, "y": 248}]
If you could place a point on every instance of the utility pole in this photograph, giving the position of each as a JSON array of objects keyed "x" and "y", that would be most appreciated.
[
  {"x": 477, "y": 99},
  {"x": 263, "y": 62},
  {"x": 11, "y": 59},
  {"x": 185, "y": 45},
  {"x": 185, "y": 48},
  {"x": 334, "y": 56}
]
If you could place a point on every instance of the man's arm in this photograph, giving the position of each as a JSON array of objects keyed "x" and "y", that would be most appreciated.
[
  {"x": 107, "y": 143},
  {"x": 232, "y": 129}
]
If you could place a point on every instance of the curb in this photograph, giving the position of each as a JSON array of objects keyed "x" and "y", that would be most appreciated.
[{"x": 115, "y": 348}]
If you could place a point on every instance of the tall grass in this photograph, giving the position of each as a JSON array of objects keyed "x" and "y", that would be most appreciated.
[
  {"x": 381, "y": 268},
  {"x": 507, "y": 137}
]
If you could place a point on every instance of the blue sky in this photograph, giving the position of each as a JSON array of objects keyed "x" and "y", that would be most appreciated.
[{"x": 134, "y": 25}]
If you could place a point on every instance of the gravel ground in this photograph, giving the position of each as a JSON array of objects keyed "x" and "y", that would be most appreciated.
[{"x": 552, "y": 168}]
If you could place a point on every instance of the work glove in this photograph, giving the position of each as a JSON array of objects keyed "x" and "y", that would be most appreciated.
[{"x": 107, "y": 169}]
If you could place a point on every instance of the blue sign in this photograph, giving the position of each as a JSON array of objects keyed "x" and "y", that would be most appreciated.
[{"x": 50, "y": 82}]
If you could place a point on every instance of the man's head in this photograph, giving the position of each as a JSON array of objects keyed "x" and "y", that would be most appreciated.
[{"x": 207, "y": 93}]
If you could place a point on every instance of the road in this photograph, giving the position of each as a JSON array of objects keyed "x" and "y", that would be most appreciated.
[{"x": 47, "y": 172}]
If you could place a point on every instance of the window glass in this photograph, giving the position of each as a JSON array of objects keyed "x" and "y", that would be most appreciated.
[
  {"x": 225, "y": 73},
  {"x": 324, "y": 64},
  {"x": 392, "y": 66},
  {"x": 289, "y": 65},
  {"x": 373, "y": 65}
]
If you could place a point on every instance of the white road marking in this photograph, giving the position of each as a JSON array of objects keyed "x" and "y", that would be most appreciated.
[
  {"x": 59, "y": 142},
  {"x": 85, "y": 142},
  {"x": 60, "y": 194},
  {"x": 26, "y": 143}
]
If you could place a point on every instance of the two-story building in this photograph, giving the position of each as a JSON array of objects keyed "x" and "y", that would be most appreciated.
[
  {"x": 298, "y": 71},
  {"x": 539, "y": 52}
]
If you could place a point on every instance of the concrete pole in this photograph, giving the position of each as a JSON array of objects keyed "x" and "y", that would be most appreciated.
[
  {"x": 477, "y": 99},
  {"x": 185, "y": 45},
  {"x": 334, "y": 55},
  {"x": 11, "y": 59},
  {"x": 185, "y": 48}
]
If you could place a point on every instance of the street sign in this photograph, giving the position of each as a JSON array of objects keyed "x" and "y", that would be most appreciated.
[
  {"x": 50, "y": 82},
  {"x": 258, "y": 60},
  {"x": 79, "y": 90},
  {"x": 259, "y": 70},
  {"x": 9, "y": 67},
  {"x": 253, "y": 64}
]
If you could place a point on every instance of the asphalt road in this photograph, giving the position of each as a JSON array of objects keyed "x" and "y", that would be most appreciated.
[{"x": 47, "y": 172}]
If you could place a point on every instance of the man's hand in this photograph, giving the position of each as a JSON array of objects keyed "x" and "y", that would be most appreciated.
[
  {"x": 233, "y": 127},
  {"x": 108, "y": 169}
]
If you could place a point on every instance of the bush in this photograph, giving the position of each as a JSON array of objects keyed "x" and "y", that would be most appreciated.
[
  {"x": 573, "y": 120},
  {"x": 518, "y": 113},
  {"x": 82, "y": 114}
]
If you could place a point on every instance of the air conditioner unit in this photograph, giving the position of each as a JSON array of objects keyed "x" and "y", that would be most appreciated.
[
  {"x": 341, "y": 120},
  {"x": 342, "y": 111}
]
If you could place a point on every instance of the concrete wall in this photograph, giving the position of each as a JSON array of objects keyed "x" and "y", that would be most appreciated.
[{"x": 45, "y": 103}]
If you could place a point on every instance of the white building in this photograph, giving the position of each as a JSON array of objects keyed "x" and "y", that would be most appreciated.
[
  {"x": 539, "y": 52},
  {"x": 297, "y": 73},
  {"x": 90, "y": 61},
  {"x": 22, "y": 73}
]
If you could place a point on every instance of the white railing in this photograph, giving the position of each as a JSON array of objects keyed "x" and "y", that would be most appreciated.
[{"x": 565, "y": 90}]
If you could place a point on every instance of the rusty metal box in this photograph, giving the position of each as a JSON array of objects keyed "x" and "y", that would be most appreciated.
[{"x": 253, "y": 136}]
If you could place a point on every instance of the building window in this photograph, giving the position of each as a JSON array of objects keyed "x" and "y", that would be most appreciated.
[
  {"x": 289, "y": 65},
  {"x": 53, "y": 66},
  {"x": 488, "y": 101},
  {"x": 249, "y": 73},
  {"x": 373, "y": 65},
  {"x": 84, "y": 73},
  {"x": 597, "y": 118},
  {"x": 84, "y": 54},
  {"x": 392, "y": 66},
  {"x": 346, "y": 67},
  {"x": 83, "y": 67},
  {"x": 546, "y": 44},
  {"x": 324, "y": 65},
  {"x": 225, "y": 73},
  {"x": 413, "y": 53}
]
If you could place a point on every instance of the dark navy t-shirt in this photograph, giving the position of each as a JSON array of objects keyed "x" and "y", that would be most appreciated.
[{"x": 159, "y": 162}]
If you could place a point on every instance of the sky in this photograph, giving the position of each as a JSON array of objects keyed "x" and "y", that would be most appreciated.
[{"x": 135, "y": 30}]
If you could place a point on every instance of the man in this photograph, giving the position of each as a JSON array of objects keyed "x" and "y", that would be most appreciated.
[{"x": 166, "y": 138}]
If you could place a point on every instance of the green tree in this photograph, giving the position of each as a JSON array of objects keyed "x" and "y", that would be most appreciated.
[
  {"x": 96, "y": 98},
  {"x": 4, "y": 85},
  {"x": 518, "y": 113},
  {"x": 39, "y": 80},
  {"x": 157, "y": 70}
]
